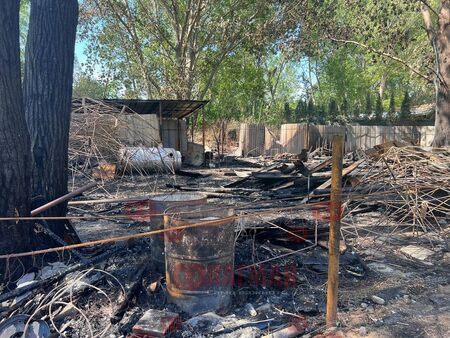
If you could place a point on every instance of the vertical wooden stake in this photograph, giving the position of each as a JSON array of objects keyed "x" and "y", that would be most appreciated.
[
  {"x": 203, "y": 128},
  {"x": 335, "y": 224},
  {"x": 160, "y": 123}
]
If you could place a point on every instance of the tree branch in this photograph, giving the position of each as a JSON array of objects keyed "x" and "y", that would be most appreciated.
[
  {"x": 379, "y": 52},
  {"x": 431, "y": 33},
  {"x": 424, "y": 3}
]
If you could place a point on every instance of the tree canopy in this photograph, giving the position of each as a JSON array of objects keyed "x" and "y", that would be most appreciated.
[{"x": 252, "y": 58}]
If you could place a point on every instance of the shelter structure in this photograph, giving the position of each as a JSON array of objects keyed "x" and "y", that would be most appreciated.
[{"x": 171, "y": 115}]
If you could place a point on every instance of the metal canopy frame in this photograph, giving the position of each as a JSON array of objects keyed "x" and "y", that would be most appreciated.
[
  {"x": 175, "y": 109},
  {"x": 172, "y": 109}
]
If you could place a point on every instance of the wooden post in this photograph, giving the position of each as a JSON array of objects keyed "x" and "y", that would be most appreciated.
[
  {"x": 178, "y": 135},
  {"x": 203, "y": 127},
  {"x": 334, "y": 234},
  {"x": 160, "y": 123}
]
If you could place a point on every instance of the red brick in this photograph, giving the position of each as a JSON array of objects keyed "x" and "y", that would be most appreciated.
[{"x": 156, "y": 323}]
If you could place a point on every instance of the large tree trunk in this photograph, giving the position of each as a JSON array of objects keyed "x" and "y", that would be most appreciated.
[
  {"x": 14, "y": 139},
  {"x": 442, "y": 123},
  {"x": 440, "y": 41},
  {"x": 48, "y": 81}
]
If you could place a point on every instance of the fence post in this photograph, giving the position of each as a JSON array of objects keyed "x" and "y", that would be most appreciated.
[{"x": 334, "y": 233}]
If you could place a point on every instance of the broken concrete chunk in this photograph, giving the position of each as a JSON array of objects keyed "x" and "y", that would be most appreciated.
[
  {"x": 52, "y": 269},
  {"x": 157, "y": 323},
  {"x": 407, "y": 299},
  {"x": 21, "y": 297},
  {"x": 205, "y": 320},
  {"x": 251, "y": 310},
  {"x": 378, "y": 300},
  {"x": 264, "y": 307},
  {"x": 380, "y": 268},
  {"x": 417, "y": 252},
  {"x": 362, "y": 331},
  {"x": 68, "y": 310},
  {"x": 26, "y": 279},
  {"x": 248, "y": 332}
]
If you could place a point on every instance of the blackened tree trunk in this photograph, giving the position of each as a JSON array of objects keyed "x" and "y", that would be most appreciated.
[
  {"x": 442, "y": 123},
  {"x": 14, "y": 139},
  {"x": 49, "y": 60}
]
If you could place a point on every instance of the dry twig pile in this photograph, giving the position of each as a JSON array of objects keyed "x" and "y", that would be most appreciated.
[
  {"x": 413, "y": 186},
  {"x": 98, "y": 131}
]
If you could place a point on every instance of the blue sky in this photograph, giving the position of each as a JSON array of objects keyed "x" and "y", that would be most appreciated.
[{"x": 80, "y": 46}]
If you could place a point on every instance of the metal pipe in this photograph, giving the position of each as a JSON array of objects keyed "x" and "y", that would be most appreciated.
[
  {"x": 335, "y": 223},
  {"x": 62, "y": 199}
]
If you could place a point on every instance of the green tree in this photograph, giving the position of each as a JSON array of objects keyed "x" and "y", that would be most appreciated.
[
  {"x": 333, "y": 110},
  {"x": 164, "y": 47},
  {"x": 310, "y": 110},
  {"x": 287, "y": 112},
  {"x": 392, "y": 107},
  {"x": 405, "y": 109},
  {"x": 368, "y": 110},
  {"x": 438, "y": 32},
  {"x": 301, "y": 111},
  {"x": 345, "y": 107},
  {"x": 378, "y": 109},
  {"x": 86, "y": 86},
  {"x": 389, "y": 37}
]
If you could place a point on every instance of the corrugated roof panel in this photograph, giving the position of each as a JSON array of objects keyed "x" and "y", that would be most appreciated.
[{"x": 169, "y": 108}]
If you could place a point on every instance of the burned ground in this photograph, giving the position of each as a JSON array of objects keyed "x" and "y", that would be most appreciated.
[{"x": 393, "y": 275}]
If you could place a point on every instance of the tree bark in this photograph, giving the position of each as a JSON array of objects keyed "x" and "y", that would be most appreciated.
[
  {"x": 14, "y": 139},
  {"x": 382, "y": 85},
  {"x": 49, "y": 60},
  {"x": 442, "y": 122},
  {"x": 440, "y": 41}
]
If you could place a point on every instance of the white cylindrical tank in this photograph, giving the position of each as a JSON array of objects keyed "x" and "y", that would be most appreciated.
[{"x": 150, "y": 158}]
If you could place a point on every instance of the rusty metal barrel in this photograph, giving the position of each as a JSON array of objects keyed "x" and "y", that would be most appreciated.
[
  {"x": 158, "y": 205},
  {"x": 200, "y": 260}
]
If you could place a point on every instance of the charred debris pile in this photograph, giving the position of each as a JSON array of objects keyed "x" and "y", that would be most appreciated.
[{"x": 248, "y": 258}]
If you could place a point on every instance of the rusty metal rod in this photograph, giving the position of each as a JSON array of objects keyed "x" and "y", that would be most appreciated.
[
  {"x": 62, "y": 199},
  {"x": 335, "y": 223}
]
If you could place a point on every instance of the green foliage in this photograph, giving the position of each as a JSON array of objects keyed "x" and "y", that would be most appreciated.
[
  {"x": 24, "y": 15},
  {"x": 378, "y": 109},
  {"x": 287, "y": 113},
  {"x": 85, "y": 86},
  {"x": 310, "y": 110},
  {"x": 405, "y": 109},
  {"x": 245, "y": 90},
  {"x": 165, "y": 50},
  {"x": 301, "y": 111},
  {"x": 345, "y": 109},
  {"x": 333, "y": 110},
  {"x": 392, "y": 107},
  {"x": 368, "y": 110},
  {"x": 254, "y": 60},
  {"x": 357, "y": 46}
]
